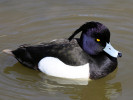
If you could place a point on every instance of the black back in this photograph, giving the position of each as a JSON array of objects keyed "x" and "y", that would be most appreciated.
[{"x": 68, "y": 52}]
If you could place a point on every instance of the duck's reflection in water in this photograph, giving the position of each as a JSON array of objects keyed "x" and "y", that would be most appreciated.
[{"x": 102, "y": 89}]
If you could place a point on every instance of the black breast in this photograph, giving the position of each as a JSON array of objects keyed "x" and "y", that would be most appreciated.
[{"x": 101, "y": 65}]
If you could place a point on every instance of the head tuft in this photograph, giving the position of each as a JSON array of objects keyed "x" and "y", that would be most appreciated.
[{"x": 91, "y": 28}]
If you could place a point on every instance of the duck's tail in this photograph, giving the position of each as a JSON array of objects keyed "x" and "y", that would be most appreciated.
[
  {"x": 23, "y": 56},
  {"x": 8, "y": 51}
]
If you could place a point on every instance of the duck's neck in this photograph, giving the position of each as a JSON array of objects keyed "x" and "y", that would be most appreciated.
[{"x": 101, "y": 65}]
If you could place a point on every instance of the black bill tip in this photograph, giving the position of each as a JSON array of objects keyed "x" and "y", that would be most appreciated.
[{"x": 119, "y": 54}]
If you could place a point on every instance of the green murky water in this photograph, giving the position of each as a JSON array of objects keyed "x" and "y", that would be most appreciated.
[{"x": 35, "y": 21}]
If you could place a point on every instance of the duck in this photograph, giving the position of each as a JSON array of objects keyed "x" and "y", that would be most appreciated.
[{"x": 91, "y": 56}]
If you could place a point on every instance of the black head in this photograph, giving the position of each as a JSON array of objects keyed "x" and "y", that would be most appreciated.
[{"x": 94, "y": 37}]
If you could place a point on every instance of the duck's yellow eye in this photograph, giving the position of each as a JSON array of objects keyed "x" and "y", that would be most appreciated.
[{"x": 98, "y": 40}]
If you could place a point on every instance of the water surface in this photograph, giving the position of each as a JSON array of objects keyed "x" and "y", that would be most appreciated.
[{"x": 35, "y": 21}]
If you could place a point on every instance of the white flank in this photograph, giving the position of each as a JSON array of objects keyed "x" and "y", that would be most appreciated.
[{"x": 54, "y": 67}]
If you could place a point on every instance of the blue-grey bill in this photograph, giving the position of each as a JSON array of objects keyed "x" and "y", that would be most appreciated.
[{"x": 111, "y": 51}]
